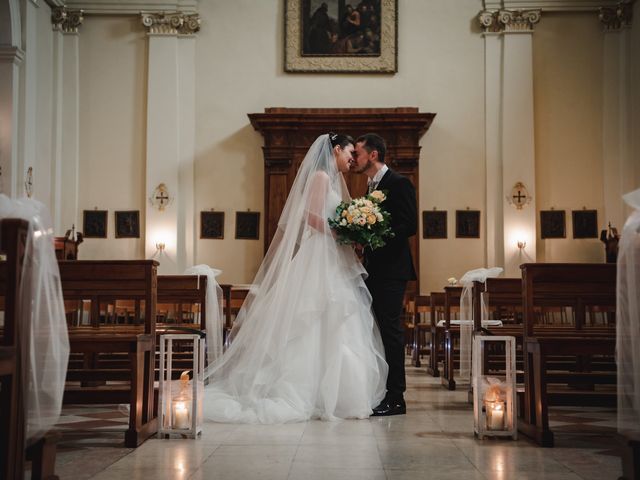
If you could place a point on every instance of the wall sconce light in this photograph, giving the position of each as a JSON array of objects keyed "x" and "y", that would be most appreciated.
[
  {"x": 160, "y": 246},
  {"x": 521, "y": 244}
]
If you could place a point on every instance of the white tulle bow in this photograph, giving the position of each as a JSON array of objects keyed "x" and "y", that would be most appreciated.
[{"x": 466, "y": 313}]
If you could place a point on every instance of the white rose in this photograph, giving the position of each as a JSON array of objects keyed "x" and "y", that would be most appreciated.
[{"x": 378, "y": 195}]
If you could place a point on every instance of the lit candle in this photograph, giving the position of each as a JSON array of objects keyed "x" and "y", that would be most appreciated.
[
  {"x": 181, "y": 415},
  {"x": 495, "y": 416}
]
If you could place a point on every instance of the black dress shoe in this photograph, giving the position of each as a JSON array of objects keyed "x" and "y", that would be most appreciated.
[{"x": 389, "y": 407}]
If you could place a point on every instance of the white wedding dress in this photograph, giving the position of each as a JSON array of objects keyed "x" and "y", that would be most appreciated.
[{"x": 305, "y": 344}]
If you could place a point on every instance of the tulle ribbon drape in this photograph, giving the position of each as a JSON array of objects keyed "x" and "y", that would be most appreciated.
[
  {"x": 466, "y": 313},
  {"x": 41, "y": 318},
  {"x": 628, "y": 322},
  {"x": 213, "y": 308}
]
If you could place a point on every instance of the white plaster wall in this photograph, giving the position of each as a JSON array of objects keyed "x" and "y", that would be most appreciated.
[
  {"x": 440, "y": 70},
  {"x": 42, "y": 167},
  {"x": 113, "y": 63},
  {"x": 441, "y": 61},
  {"x": 567, "y": 54},
  {"x": 35, "y": 120}
]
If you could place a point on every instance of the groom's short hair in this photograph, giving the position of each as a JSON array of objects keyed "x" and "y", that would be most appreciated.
[{"x": 371, "y": 142}]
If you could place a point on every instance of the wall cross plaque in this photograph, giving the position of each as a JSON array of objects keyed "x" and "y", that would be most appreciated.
[
  {"x": 519, "y": 196},
  {"x": 160, "y": 197}
]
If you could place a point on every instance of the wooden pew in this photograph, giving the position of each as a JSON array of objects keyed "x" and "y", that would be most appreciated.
[
  {"x": 233, "y": 296},
  {"x": 103, "y": 283},
  {"x": 451, "y": 333},
  {"x": 181, "y": 304},
  {"x": 13, "y": 235},
  {"x": 422, "y": 305},
  {"x": 436, "y": 339},
  {"x": 503, "y": 299},
  {"x": 42, "y": 451},
  {"x": 583, "y": 288},
  {"x": 186, "y": 297},
  {"x": 408, "y": 321}
]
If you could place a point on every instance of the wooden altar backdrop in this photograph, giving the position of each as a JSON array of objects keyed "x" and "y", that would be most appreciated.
[{"x": 289, "y": 132}]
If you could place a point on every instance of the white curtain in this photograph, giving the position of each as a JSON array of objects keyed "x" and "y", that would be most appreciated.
[
  {"x": 628, "y": 322},
  {"x": 41, "y": 318}
]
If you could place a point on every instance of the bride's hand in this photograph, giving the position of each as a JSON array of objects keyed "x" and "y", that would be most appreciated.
[{"x": 359, "y": 249}]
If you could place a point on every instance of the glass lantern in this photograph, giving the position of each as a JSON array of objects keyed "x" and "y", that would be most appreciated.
[
  {"x": 494, "y": 396},
  {"x": 180, "y": 401}
]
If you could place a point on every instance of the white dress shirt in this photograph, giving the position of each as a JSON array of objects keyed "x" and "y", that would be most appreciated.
[{"x": 373, "y": 182}]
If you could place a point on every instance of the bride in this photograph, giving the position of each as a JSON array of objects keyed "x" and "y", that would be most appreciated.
[{"x": 305, "y": 344}]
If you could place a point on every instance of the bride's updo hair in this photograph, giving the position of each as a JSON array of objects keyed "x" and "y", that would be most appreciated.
[{"x": 339, "y": 139}]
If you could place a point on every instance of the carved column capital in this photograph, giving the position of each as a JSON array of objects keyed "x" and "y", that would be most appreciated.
[
  {"x": 176, "y": 23},
  {"x": 519, "y": 20},
  {"x": 616, "y": 18},
  {"x": 66, "y": 20},
  {"x": 505, "y": 21},
  {"x": 489, "y": 21}
]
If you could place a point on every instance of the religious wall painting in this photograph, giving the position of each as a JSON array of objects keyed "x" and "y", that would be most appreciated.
[
  {"x": 585, "y": 223},
  {"x": 94, "y": 223},
  {"x": 127, "y": 224},
  {"x": 552, "y": 224},
  {"x": 247, "y": 225},
  {"x": 358, "y": 36},
  {"x": 434, "y": 224},
  {"x": 212, "y": 225},
  {"x": 467, "y": 223}
]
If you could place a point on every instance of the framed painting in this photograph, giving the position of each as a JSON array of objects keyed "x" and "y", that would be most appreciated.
[
  {"x": 94, "y": 223},
  {"x": 128, "y": 224},
  {"x": 434, "y": 224},
  {"x": 339, "y": 36},
  {"x": 552, "y": 224},
  {"x": 247, "y": 225},
  {"x": 212, "y": 225},
  {"x": 467, "y": 223},
  {"x": 585, "y": 223}
]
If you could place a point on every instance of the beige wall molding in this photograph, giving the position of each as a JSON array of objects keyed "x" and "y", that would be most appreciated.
[
  {"x": 176, "y": 23},
  {"x": 133, "y": 7},
  {"x": 550, "y": 5},
  {"x": 616, "y": 18},
  {"x": 11, "y": 54},
  {"x": 508, "y": 21},
  {"x": 66, "y": 20}
]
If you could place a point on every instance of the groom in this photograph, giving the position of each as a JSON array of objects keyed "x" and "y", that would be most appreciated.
[{"x": 391, "y": 266}]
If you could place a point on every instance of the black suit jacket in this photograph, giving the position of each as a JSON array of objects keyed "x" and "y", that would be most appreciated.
[{"x": 393, "y": 261}]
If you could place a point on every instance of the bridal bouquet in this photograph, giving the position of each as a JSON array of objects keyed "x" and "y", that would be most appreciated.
[{"x": 363, "y": 221}]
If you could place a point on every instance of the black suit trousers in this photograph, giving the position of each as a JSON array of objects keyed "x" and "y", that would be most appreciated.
[{"x": 388, "y": 298}]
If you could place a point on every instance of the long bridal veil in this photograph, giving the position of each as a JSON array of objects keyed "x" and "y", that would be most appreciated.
[{"x": 286, "y": 361}]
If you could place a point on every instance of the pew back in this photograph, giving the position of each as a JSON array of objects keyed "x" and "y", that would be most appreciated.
[
  {"x": 581, "y": 296},
  {"x": 13, "y": 235},
  {"x": 182, "y": 301},
  {"x": 99, "y": 285}
]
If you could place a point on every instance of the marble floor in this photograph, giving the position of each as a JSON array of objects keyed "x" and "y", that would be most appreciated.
[{"x": 433, "y": 441}]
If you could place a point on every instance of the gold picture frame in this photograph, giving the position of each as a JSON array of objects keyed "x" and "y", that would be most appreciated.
[{"x": 382, "y": 58}]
